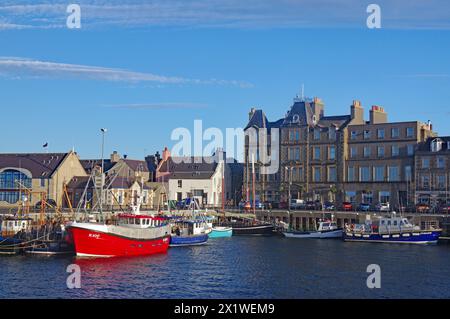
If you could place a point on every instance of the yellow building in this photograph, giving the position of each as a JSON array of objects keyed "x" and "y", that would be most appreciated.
[{"x": 26, "y": 178}]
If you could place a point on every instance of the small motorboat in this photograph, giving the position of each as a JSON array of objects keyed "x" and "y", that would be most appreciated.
[
  {"x": 221, "y": 232},
  {"x": 326, "y": 229},
  {"x": 189, "y": 233}
]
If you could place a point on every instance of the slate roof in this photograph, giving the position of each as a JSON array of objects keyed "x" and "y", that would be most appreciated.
[
  {"x": 79, "y": 182},
  {"x": 259, "y": 120},
  {"x": 303, "y": 111},
  {"x": 41, "y": 165},
  {"x": 190, "y": 175},
  {"x": 89, "y": 164},
  {"x": 426, "y": 146},
  {"x": 338, "y": 121},
  {"x": 177, "y": 165},
  {"x": 137, "y": 165}
]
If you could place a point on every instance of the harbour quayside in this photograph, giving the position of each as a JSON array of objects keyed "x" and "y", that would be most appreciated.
[{"x": 391, "y": 230}]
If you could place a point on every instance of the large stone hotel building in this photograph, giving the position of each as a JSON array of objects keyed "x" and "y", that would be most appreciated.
[{"x": 339, "y": 158}]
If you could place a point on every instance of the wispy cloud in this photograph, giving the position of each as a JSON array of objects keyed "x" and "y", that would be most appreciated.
[
  {"x": 159, "y": 106},
  {"x": 426, "y": 75},
  {"x": 18, "y": 68},
  {"x": 228, "y": 13}
]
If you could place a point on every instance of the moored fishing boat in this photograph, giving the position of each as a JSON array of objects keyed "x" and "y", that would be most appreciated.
[
  {"x": 57, "y": 242},
  {"x": 391, "y": 230},
  {"x": 189, "y": 233},
  {"x": 221, "y": 232},
  {"x": 12, "y": 234},
  {"x": 251, "y": 227},
  {"x": 133, "y": 235},
  {"x": 326, "y": 229}
]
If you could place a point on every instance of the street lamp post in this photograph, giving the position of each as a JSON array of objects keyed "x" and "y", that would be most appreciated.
[{"x": 289, "y": 170}]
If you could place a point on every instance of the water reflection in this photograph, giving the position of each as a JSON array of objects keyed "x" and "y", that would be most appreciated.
[{"x": 240, "y": 267}]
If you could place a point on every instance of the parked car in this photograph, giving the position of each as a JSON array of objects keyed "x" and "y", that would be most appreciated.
[
  {"x": 48, "y": 203},
  {"x": 249, "y": 205},
  {"x": 444, "y": 208},
  {"x": 383, "y": 207},
  {"x": 347, "y": 206},
  {"x": 364, "y": 207},
  {"x": 329, "y": 206},
  {"x": 313, "y": 205},
  {"x": 297, "y": 204},
  {"x": 422, "y": 208},
  {"x": 271, "y": 205}
]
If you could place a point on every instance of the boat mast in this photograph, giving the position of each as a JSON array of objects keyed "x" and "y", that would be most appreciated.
[
  {"x": 103, "y": 130},
  {"x": 253, "y": 183},
  {"x": 223, "y": 183}
]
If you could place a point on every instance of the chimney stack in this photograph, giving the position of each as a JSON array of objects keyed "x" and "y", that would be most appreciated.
[
  {"x": 115, "y": 157},
  {"x": 357, "y": 113},
  {"x": 377, "y": 115},
  {"x": 166, "y": 154}
]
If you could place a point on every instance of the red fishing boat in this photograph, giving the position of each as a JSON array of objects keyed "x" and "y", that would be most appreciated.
[{"x": 133, "y": 235}]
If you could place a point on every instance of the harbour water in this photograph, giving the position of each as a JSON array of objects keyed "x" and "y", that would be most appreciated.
[{"x": 240, "y": 267}]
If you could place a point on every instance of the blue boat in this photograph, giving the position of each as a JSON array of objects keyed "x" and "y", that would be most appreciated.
[
  {"x": 194, "y": 240},
  {"x": 391, "y": 230},
  {"x": 189, "y": 233},
  {"x": 221, "y": 232}
]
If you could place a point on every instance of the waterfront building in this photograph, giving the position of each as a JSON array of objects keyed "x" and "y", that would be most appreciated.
[
  {"x": 122, "y": 167},
  {"x": 337, "y": 158},
  {"x": 26, "y": 178},
  {"x": 432, "y": 171},
  {"x": 200, "y": 178},
  {"x": 267, "y": 187},
  {"x": 379, "y": 158},
  {"x": 120, "y": 195}
]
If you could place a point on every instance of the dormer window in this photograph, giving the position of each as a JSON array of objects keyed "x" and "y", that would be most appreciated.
[{"x": 436, "y": 145}]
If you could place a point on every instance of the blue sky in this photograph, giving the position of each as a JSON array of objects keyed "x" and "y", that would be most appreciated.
[{"x": 144, "y": 68}]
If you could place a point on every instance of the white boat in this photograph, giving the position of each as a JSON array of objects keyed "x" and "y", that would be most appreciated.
[{"x": 326, "y": 229}]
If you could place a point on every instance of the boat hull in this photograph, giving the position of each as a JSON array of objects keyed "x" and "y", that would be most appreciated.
[
  {"x": 60, "y": 247},
  {"x": 221, "y": 232},
  {"x": 315, "y": 234},
  {"x": 94, "y": 243},
  {"x": 413, "y": 237},
  {"x": 180, "y": 241},
  {"x": 10, "y": 246},
  {"x": 253, "y": 230}
]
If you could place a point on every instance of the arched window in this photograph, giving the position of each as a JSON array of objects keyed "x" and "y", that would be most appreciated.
[{"x": 11, "y": 182}]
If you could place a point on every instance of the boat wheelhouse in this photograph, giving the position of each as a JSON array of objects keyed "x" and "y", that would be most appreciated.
[{"x": 12, "y": 234}]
